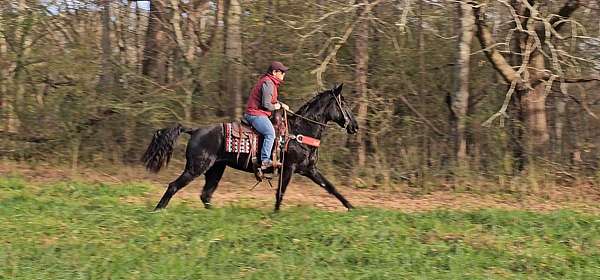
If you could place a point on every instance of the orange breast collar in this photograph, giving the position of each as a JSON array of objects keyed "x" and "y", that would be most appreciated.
[{"x": 307, "y": 140}]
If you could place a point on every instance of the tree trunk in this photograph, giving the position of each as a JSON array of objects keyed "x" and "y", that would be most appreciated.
[
  {"x": 425, "y": 144},
  {"x": 138, "y": 38},
  {"x": 23, "y": 48},
  {"x": 516, "y": 127},
  {"x": 574, "y": 120},
  {"x": 533, "y": 104},
  {"x": 559, "y": 128},
  {"x": 233, "y": 57},
  {"x": 75, "y": 149},
  {"x": 460, "y": 99},
  {"x": 5, "y": 106},
  {"x": 107, "y": 77},
  {"x": 421, "y": 46},
  {"x": 361, "y": 57},
  {"x": 154, "y": 64},
  {"x": 123, "y": 19}
]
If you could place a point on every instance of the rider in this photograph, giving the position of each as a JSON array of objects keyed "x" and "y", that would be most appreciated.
[{"x": 261, "y": 103}]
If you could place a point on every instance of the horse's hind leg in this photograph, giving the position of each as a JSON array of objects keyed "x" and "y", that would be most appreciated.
[
  {"x": 212, "y": 178},
  {"x": 185, "y": 178}
]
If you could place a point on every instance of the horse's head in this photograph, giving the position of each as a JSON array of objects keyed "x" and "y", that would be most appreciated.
[{"x": 337, "y": 110}]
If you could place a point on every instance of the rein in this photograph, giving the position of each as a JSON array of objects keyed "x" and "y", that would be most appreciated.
[
  {"x": 307, "y": 119},
  {"x": 307, "y": 140}
]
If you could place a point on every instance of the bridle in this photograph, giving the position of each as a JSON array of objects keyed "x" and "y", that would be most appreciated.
[{"x": 338, "y": 102}]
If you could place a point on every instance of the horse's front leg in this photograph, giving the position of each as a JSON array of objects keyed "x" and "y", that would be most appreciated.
[
  {"x": 285, "y": 178},
  {"x": 316, "y": 176}
]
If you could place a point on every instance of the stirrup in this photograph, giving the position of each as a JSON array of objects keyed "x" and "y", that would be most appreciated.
[{"x": 258, "y": 174}]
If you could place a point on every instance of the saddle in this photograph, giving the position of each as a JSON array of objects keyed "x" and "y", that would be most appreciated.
[{"x": 242, "y": 138}]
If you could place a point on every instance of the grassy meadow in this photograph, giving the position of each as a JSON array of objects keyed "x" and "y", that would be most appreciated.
[{"x": 74, "y": 230}]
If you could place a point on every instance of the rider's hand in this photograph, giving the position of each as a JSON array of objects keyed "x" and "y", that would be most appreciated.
[
  {"x": 285, "y": 106},
  {"x": 277, "y": 106}
]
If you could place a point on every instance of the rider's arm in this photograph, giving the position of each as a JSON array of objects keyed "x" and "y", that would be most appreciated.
[{"x": 267, "y": 95}]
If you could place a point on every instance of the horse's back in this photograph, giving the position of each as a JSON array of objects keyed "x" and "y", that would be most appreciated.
[{"x": 206, "y": 140}]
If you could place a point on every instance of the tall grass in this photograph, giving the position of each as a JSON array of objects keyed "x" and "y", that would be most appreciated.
[{"x": 72, "y": 230}]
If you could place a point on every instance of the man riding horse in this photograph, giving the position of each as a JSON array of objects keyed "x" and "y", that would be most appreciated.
[
  {"x": 261, "y": 103},
  {"x": 209, "y": 149}
]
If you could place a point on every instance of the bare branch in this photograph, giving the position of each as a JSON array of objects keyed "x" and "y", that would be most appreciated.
[
  {"x": 421, "y": 116},
  {"x": 502, "y": 111},
  {"x": 497, "y": 60},
  {"x": 580, "y": 80},
  {"x": 349, "y": 28}
]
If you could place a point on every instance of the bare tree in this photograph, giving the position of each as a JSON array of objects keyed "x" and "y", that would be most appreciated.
[
  {"x": 460, "y": 97},
  {"x": 233, "y": 56},
  {"x": 526, "y": 71},
  {"x": 361, "y": 57}
]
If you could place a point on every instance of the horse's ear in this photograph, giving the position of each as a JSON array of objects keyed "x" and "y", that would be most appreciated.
[{"x": 338, "y": 89}]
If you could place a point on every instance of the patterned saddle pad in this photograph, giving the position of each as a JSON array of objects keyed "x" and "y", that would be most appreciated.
[{"x": 240, "y": 138}]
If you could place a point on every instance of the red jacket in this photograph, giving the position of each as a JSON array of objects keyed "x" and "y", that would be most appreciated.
[{"x": 253, "y": 106}]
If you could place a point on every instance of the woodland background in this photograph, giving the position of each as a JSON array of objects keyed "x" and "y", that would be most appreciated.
[{"x": 444, "y": 91}]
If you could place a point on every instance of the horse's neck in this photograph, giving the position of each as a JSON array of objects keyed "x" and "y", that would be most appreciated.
[{"x": 308, "y": 128}]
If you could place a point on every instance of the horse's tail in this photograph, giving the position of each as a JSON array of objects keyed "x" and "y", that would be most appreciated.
[{"x": 160, "y": 149}]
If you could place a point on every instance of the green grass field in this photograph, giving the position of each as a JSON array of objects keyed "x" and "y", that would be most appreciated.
[{"x": 73, "y": 230}]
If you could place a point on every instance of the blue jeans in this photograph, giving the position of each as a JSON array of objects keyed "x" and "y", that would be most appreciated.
[{"x": 264, "y": 126}]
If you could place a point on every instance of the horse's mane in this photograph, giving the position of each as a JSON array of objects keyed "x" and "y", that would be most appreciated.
[{"x": 311, "y": 104}]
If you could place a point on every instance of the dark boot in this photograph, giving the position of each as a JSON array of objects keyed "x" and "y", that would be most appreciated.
[
  {"x": 259, "y": 172},
  {"x": 267, "y": 165}
]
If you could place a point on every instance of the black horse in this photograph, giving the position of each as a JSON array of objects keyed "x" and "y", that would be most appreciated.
[{"x": 205, "y": 153}]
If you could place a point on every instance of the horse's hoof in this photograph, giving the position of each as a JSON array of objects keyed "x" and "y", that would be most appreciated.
[{"x": 207, "y": 205}]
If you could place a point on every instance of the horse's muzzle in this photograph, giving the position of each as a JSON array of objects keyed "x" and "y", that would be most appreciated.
[{"x": 351, "y": 129}]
